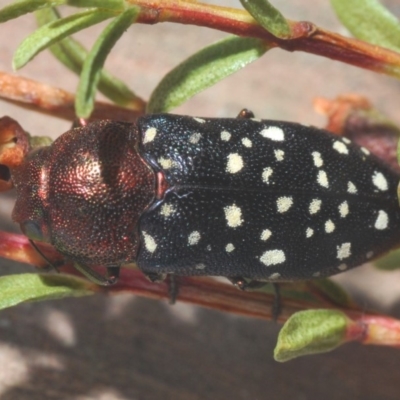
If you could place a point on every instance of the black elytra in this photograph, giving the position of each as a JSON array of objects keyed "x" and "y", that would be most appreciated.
[{"x": 264, "y": 200}]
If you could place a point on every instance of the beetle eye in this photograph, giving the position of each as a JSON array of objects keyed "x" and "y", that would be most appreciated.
[{"x": 32, "y": 230}]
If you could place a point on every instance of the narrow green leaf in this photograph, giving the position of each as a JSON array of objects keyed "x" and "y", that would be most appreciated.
[
  {"x": 268, "y": 17},
  {"x": 16, "y": 289},
  {"x": 311, "y": 332},
  {"x": 55, "y": 31},
  {"x": 44, "y": 17},
  {"x": 94, "y": 62},
  {"x": 72, "y": 54},
  {"x": 369, "y": 20},
  {"x": 22, "y": 7},
  {"x": 204, "y": 69},
  {"x": 116, "y": 5}
]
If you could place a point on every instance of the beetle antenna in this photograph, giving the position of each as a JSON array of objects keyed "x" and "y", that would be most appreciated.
[
  {"x": 110, "y": 278},
  {"x": 50, "y": 264}
]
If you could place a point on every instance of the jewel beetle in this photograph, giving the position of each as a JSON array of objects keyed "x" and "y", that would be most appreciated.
[{"x": 239, "y": 198}]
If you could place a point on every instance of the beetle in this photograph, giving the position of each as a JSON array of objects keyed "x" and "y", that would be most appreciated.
[{"x": 237, "y": 197}]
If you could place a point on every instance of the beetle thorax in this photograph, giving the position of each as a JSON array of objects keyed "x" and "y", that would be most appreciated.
[{"x": 95, "y": 191}]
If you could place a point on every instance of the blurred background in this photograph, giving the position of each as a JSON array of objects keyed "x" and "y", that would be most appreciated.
[{"x": 124, "y": 347}]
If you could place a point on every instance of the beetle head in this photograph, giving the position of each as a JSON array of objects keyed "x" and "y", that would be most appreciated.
[{"x": 30, "y": 179}]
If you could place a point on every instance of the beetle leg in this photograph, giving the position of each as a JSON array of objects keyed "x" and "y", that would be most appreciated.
[
  {"x": 173, "y": 287},
  {"x": 245, "y": 114},
  {"x": 110, "y": 278},
  {"x": 112, "y": 274},
  {"x": 155, "y": 278},
  {"x": 244, "y": 285},
  {"x": 239, "y": 282},
  {"x": 276, "y": 305}
]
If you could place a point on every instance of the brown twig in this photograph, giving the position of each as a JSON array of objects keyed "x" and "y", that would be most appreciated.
[{"x": 53, "y": 101}]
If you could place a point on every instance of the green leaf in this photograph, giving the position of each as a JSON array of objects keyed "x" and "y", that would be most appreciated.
[
  {"x": 204, "y": 69},
  {"x": 389, "y": 262},
  {"x": 16, "y": 289},
  {"x": 55, "y": 31},
  {"x": 19, "y": 8},
  {"x": 116, "y": 5},
  {"x": 72, "y": 54},
  {"x": 311, "y": 332},
  {"x": 40, "y": 141},
  {"x": 268, "y": 17},
  {"x": 333, "y": 291},
  {"x": 369, "y": 20},
  {"x": 95, "y": 60}
]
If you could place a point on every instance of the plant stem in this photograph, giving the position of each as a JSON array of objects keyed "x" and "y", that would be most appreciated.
[
  {"x": 306, "y": 36},
  {"x": 56, "y": 102}
]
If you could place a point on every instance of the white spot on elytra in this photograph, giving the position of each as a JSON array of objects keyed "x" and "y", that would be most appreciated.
[
  {"x": 267, "y": 172},
  {"x": 194, "y": 238},
  {"x": 233, "y": 215},
  {"x": 342, "y": 267},
  {"x": 346, "y": 140},
  {"x": 273, "y": 257},
  {"x": 166, "y": 163},
  {"x": 208, "y": 248},
  {"x": 316, "y": 274},
  {"x": 149, "y": 135},
  {"x": 382, "y": 220},
  {"x": 340, "y": 147},
  {"x": 195, "y": 138},
  {"x": 315, "y": 206},
  {"x": 343, "y": 251},
  {"x": 246, "y": 142},
  {"x": 279, "y": 155},
  {"x": 344, "y": 209},
  {"x": 322, "y": 179},
  {"x": 274, "y": 133},
  {"x": 379, "y": 181},
  {"x": 149, "y": 243},
  {"x": 199, "y": 120},
  {"x": 274, "y": 276},
  {"x": 365, "y": 151},
  {"x": 200, "y": 266},
  {"x": 229, "y": 247},
  {"x": 351, "y": 188},
  {"x": 284, "y": 203},
  {"x": 369, "y": 254},
  {"x": 167, "y": 210},
  {"x": 265, "y": 234},
  {"x": 317, "y": 158},
  {"x": 235, "y": 163},
  {"x": 256, "y": 119},
  {"x": 225, "y": 136},
  {"x": 329, "y": 226},
  {"x": 309, "y": 232}
]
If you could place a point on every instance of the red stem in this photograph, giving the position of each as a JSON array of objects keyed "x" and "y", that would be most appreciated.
[
  {"x": 305, "y": 35},
  {"x": 206, "y": 292}
]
